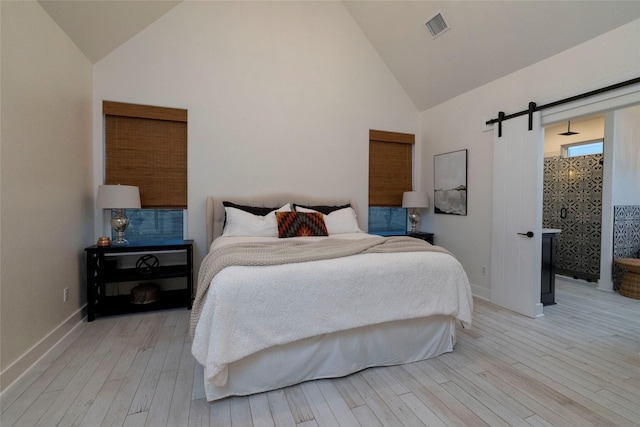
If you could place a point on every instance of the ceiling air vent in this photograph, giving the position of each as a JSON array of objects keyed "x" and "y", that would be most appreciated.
[{"x": 437, "y": 25}]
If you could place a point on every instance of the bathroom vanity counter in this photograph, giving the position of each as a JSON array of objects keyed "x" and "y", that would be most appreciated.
[{"x": 551, "y": 231}]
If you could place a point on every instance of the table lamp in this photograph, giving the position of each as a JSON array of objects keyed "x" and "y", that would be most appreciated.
[
  {"x": 118, "y": 198},
  {"x": 414, "y": 200}
]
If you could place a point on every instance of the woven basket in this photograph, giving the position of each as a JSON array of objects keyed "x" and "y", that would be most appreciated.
[
  {"x": 145, "y": 293},
  {"x": 630, "y": 285}
]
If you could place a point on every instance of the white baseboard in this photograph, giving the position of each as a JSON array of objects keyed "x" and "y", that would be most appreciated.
[
  {"x": 485, "y": 294},
  {"x": 480, "y": 292},
  {"x": 57, "y": 336},
  {"x": 539, "y": 310}
]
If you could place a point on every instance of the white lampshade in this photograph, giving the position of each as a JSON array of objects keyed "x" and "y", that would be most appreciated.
[
  {"x": 118, "y": 197},
  {"x": 415, "y": 199}
]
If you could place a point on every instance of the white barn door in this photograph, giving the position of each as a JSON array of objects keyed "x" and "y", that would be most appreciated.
[{"x": 517, "y": 216}]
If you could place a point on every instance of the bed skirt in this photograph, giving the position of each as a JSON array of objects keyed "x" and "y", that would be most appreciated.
[{"x": 336, "y": 355}]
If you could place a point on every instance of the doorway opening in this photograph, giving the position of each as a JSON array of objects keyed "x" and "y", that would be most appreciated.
[
  {"x": 619, "y": 230},
  {"x": 572, "y": 195}
]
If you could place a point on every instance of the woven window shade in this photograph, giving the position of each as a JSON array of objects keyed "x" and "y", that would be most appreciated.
[
  {"x": 390, "y": 167},
  {"x": 147, "y": 147}
]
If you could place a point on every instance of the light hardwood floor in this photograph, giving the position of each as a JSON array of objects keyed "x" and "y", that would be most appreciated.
[{"x": 577, "y": 366}]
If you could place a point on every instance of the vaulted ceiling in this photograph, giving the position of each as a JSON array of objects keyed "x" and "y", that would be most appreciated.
[{"x": 486, "y": 40}]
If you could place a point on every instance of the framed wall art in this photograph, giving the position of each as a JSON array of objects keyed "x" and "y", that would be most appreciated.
[{"x": 450, "y": 183}]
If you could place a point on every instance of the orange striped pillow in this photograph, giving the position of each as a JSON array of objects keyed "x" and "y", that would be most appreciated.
[{"x": 298, "y": 224}]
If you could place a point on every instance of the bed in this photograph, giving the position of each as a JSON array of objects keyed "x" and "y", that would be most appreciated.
[{"x": 271, "y": 312}]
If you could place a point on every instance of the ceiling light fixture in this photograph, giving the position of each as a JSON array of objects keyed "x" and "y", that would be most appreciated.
[{"x": 568, "y": 132}]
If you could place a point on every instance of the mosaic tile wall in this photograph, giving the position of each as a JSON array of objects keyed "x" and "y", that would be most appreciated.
[
  {"x": 572, "y": 202},
  {"x": 626, "y": 237}
]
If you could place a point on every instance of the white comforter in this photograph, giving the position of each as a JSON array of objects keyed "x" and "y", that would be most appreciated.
[{"x": 248, "y": 309}]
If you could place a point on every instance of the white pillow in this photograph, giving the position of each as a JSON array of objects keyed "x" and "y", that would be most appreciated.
[
  {"x": 240, "y": 223},
  {"x": 339, "y": 221}
]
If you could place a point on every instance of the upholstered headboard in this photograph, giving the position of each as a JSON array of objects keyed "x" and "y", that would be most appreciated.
[{"x": 215, "y": 208}]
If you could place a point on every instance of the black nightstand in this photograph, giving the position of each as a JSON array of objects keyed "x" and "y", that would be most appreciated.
[
  {"x": 427, "y": 237},
  {"x": 102, "y": 268}
]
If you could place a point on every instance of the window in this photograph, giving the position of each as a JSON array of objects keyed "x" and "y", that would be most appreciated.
[
  {"x": 386, "y": 221},
  {"x": 390, "y": 175},
  {"x": 583, "y": 148},
  {"x": 154, "y": 224},
  {"x": 146, "y": 146}
]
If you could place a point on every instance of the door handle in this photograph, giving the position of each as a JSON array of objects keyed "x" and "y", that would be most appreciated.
[{"x": 528, "y": 234}]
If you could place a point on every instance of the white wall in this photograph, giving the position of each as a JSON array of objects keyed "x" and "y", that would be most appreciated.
[
  {"x": 626, "y": 157},
  {"x": 281, "y": 97},
  {"x": 45, "y": 183},
  {"x": 459, "y": 123}
]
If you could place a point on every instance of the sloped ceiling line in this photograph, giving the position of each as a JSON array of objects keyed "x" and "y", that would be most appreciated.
[{"x": 487, "y": 40}]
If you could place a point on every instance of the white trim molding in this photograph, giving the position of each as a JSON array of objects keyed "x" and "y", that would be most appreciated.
[{"x": 24, "y": 363}]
